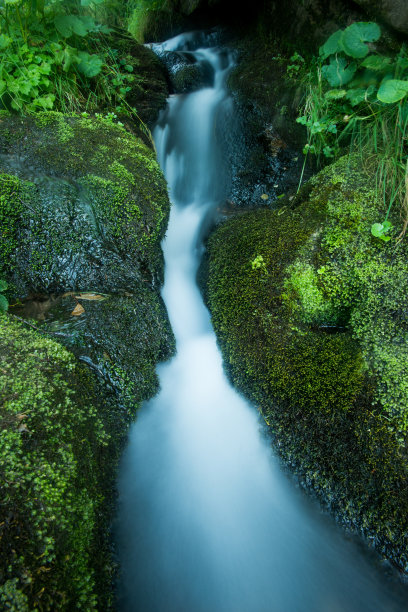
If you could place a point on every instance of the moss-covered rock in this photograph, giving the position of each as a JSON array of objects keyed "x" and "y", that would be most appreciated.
[
  {"x": 310, "y": 313},
  {"x": 59, "y": 445},
  {"x": 83, "y": 208},
  {"x": 83, "y": 204}
]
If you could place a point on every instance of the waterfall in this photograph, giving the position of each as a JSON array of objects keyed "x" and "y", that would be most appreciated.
[{"x": 207, "y": 519}]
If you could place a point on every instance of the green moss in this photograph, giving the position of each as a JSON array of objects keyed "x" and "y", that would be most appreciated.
[
  {"x": 10, "y": 212},
  {"x": 336, "y": 401},
  {"x": 84, "y": 168},
  {"x": 56, "y": 121},
  {"x": 304, "y": 296},
  {"x": 52, "y": 441}
]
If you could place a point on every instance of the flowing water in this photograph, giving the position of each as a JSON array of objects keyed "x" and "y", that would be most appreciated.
[{"x": 207, "y": 520}]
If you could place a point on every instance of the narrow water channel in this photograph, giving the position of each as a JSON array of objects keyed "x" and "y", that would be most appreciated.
[{"x": 207, "y": 521}]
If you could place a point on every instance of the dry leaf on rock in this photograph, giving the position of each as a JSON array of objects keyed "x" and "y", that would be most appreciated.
[{"x": 78, "y": 310}]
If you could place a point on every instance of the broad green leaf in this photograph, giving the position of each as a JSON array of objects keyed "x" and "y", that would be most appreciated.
[
  {"x": 358, "y": 95},
  {"x": 3, "y": 285},
  {"x": 89, "y": 65},
  {"x": 3, "y": 304},
  {"x": 2, "y": 86},
  {"x": 335, "y": 94},
  {"x": 376, "y": 62},
  {"x": 26, "y": 86},
  {"x": 67, "y": 25},
  {"x": 392, "y": 91},
  {"x": 332, "y": 45},
  {"x": 45, "y": 102},
  {"x": 5, "y": 41},
  {"x": 338, "y": 72},
  {"x": 357, "y": 35}
]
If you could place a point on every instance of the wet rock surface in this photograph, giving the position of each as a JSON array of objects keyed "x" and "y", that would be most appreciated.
[{"x": 93, "y": 206}]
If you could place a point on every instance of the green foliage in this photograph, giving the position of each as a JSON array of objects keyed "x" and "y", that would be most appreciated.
[
  {"x": 10, "y": 217},
  {"x": 357, "y": 96},
  {"x": 55, "y": 54}
]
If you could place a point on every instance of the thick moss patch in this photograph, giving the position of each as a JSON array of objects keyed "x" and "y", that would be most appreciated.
[
  {"x": 89, "y": 206},
  {"x": 314, "y": 332},
  {"x": 59, "y": 445}
]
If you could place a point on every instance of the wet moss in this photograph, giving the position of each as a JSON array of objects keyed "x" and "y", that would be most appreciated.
[
  {"x": 326, "y": 396},
  {"x": 10, "y": 213},
  {"x": 57, "y": 446},
  {"x": 97, "y": 205}
]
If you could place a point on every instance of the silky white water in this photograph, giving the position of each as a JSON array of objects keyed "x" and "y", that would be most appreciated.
[{"x": 207, "y": 521}]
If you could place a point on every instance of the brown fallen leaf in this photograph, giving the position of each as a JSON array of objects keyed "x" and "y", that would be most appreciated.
[
  {"x": 90, "y": 296},
  {"x": 78, "y": 310}
]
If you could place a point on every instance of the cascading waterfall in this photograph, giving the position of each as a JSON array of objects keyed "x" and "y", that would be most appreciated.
[{"x": 207, "y": 520}]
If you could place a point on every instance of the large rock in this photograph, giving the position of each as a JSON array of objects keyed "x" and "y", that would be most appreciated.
[
  {"x": 393, "y": 12},
  {"x": 185, "y": 74},
  {"x": 83, "y": 208},
  {"x": 311, "y": 314},
  {"x": 59, "y": 445}
]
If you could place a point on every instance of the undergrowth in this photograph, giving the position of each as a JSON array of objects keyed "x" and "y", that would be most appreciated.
[
  {"x": 59, "y": 55},
  {"x": 356, "y": 97}
]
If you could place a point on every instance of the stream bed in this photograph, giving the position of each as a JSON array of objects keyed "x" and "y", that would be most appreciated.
[{"x": 207, "y": 519}]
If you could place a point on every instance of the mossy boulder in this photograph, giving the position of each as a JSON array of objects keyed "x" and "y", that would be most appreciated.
[
  {"x": 59, "y": 445},
  {"x": 83, "y": 204},
  {"x": 83, "y": 207},
  {"x": 309, "y": 309}
]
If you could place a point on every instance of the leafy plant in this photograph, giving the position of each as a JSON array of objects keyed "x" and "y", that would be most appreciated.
[
  {"x": 3, "y": 300},
  {"x": 54, "y": 56},
  {"x": 358, "y": 96}
]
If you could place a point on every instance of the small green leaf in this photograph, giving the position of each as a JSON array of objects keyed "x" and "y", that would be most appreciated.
[
  {"x": 379, "y": 230},
  {"x": 358, "y": 95},
  {"x": 376, "y": 62},
  {"x": 3, "y": 304},
  {"x": 303, "y": 120},
  {"x": 332, "y": 45},
  {"x": 3, "y": 285},
  {"x": 392, "y": 90},
  {"x": 335, "y": 94},
  {"x": 45, "y": 102},
  {"x": 67, "y": 25},
  {"x": 357, "y": 35}
]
